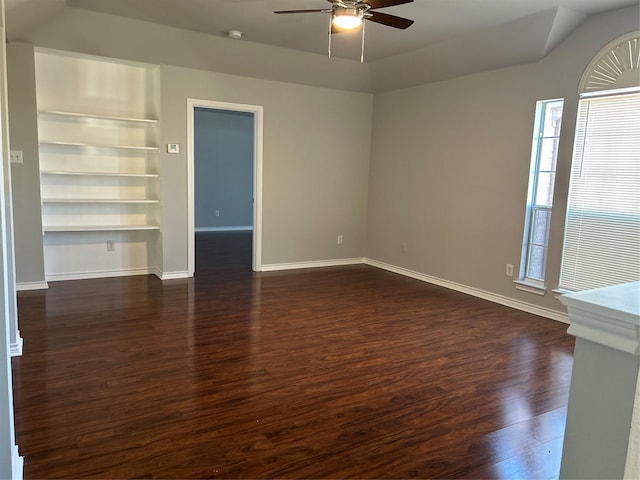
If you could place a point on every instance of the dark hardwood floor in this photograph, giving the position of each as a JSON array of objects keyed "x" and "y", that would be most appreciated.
[
  {"x": 347, "y": 372},
  {"x": 217, "y": 251}
]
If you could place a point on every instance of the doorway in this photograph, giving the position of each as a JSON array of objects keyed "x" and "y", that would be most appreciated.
[{"x": 224, "y": 197}]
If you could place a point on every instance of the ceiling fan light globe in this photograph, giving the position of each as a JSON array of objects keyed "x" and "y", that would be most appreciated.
[{"x": 347, "y": 18}]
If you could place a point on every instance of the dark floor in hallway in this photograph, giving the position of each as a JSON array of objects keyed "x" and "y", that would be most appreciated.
[{"x": 223, "y": 251}]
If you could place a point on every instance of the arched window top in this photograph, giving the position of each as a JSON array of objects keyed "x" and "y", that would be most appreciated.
[{"x": 616, "y": 66}]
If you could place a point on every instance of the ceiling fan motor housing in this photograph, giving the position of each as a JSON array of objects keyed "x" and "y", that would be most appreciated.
[
  {"x": 348, "y": 11},
  {"x": 354, "y": 12}
]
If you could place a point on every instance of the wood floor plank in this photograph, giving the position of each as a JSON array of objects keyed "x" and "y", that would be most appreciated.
[{"x": 346, "y": 372}]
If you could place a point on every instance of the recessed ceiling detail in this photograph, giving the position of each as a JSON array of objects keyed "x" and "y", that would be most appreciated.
[
  {"x": 616, "y": 66},
  {"x": 479, "y": 35}
]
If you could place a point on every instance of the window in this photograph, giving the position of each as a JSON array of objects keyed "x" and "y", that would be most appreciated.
[
  {"x": 544, "y": 155},
  {"x": 602, "y": 232}
]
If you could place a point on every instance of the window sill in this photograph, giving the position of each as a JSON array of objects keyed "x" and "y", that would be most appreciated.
[
  {"x": 530, "y": 288},
  {"x": 557, "y": 292}
]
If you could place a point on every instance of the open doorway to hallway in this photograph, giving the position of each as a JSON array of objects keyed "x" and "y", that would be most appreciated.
[
  {"x": 225, "y": 186},
  {"x": 223, "y": 181}
]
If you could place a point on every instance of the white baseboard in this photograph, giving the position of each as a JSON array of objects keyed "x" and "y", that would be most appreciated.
[
  {"x": 117, "y": 273},
  {"x": 98, "y": 274},
  {"x": 274, "y": 267},
  {"x": 15, "y": 349},
  {"x": 224, "y": 229},
  {"x": 170, "y": 275},
  {"x": 492, "y": 297},
  {"x": 17, "y": 464},
  {"x": 26, "y": 286}
]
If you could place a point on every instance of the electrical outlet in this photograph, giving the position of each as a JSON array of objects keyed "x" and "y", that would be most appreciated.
[
  {"x": 217, "y": 213},
  {"x": 15, "y": 156},
  {"x": 509, "y": 270},
  {"x": 339, "y": 239},
  {"x": 111, "y": 246}
]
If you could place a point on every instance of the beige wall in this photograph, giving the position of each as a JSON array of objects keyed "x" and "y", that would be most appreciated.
[{"x": 450, "y": 165}]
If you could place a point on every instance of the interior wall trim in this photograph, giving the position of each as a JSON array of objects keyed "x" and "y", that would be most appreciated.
[
  {"x": 607, "y": 316},
  {"x": 475, "y": 292},
  {"x": 258, "y": 147},
  {"x": 26, "y": 286},
  {"x": 170, "y": 275},
  {"x": 99, "y": 274},
  {"x": 492, "y": 297},
  {"x": 15, "y": 349},
  {"x": 17, "y": 464},
  {"x": 274, "y": 267}
]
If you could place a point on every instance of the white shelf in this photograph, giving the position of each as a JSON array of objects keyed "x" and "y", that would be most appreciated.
[
  {"x": 109, "y": 118},
  {"x": 100, "y": 200},
  {"x": 97, "y": 228},
  {"x": 100, "y": 174},
  {"x": 118, "y": 147}
]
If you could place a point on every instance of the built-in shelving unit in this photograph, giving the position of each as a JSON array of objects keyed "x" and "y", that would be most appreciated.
[{"x": 99, "y": 171}]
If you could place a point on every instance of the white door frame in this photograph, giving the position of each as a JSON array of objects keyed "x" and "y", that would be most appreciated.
[{"x": 257, "y": 111}]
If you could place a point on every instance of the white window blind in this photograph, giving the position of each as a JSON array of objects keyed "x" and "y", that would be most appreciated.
[{"x": 602, "y": 231}]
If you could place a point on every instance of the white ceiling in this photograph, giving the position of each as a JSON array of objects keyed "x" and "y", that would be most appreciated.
[{"x": 501, "y": 32}]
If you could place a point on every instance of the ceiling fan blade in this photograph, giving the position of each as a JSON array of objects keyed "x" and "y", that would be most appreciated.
[
  {"x": 385, "y": 3},
  {"x": 389, "y": 20},
  {"x": 315, "y": 10}
]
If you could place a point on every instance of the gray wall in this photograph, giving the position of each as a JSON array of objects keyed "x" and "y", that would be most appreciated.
[
  {"x": 313, "y": 188},
  {"x": 450, "y": 165},
  {"x": 84, "y": 31},
  {"x": 223, "y": 166},
  {"x": 316, "y": 140},
  {"x": 25, "y": 177}
]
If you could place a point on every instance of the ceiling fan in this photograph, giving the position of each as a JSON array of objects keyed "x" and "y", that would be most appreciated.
[{"x": 349, "y": 14}]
